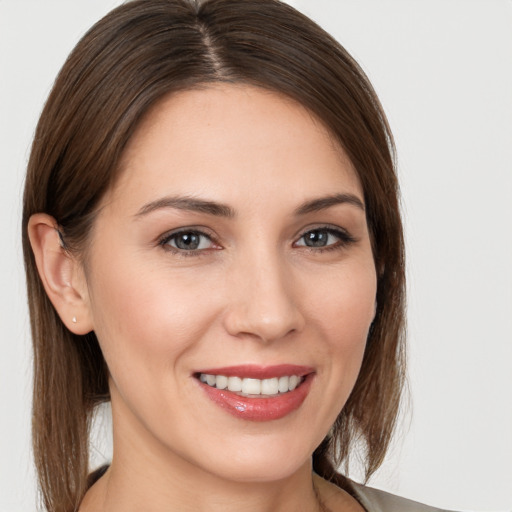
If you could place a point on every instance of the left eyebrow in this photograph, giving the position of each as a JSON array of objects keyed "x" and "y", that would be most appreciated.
[{"x": 323, "y": 203}]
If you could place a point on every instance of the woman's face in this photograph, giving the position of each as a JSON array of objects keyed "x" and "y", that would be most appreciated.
[{"x": 234, "y": 250}]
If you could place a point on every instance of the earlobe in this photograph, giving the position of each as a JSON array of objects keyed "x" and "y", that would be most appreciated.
[{"x": 61, "y": 274}]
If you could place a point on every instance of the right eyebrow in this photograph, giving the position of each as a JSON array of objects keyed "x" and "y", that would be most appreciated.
[{"x": 193, "y": 204}]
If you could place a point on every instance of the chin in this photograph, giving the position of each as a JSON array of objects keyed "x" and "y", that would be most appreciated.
[
  {"x": 264, "y": 458},
  {"x": 263, "y": 470}
]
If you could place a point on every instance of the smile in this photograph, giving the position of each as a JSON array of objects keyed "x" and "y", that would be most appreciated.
[
  {"x": 252, "y": 387},
  {"x": 257, "y": 393}
]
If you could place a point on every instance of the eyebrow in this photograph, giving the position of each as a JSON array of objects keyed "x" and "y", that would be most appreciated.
[
  {"x": 323, "y": 203},
  {"x": 222, "y": 210},
  {"x": 187, "y": 203}
]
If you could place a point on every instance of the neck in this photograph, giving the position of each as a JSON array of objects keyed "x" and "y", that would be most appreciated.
[
  {"x": 126, "y": 488},
  {"x": 144, "y": 475}
]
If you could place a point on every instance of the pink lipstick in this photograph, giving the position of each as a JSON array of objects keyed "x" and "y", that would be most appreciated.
[{"x": 257, "y": 393}]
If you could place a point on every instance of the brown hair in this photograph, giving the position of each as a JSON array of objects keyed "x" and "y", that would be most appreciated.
[{"x": 137, "y": 54}]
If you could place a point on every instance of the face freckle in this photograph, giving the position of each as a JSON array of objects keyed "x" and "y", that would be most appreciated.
[{"x": 234, "y": 239}]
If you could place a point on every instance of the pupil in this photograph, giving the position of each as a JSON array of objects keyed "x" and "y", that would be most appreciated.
[
  {"x": 316, "y": 238},
  {"x": 187, "y": 241}
]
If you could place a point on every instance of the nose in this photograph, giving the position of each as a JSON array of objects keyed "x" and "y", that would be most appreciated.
[{"x": 263, "y": 300}]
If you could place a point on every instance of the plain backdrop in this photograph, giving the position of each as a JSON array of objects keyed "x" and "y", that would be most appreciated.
[{"x": 443, "y": 71}]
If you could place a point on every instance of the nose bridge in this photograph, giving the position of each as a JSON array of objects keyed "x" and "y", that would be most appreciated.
[{"x": 263, "y": 302}]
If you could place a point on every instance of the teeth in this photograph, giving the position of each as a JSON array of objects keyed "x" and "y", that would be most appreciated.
[
  {"x": 270, "y": 386},
  {"x": 248, "y": 386},
  {"x": 251, "y": 386},
  {"x": 294, "y": 381},
  {"x": 234, "y": 383},
  {"x": 221, "y": 382},
  {"x": 282, "y": 386}
]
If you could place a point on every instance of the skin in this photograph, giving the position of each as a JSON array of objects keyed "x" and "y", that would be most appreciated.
[{"x": 252, "y": 293}]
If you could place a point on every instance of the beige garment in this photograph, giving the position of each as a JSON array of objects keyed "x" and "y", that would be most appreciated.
[{"x": 374, "y": 500}]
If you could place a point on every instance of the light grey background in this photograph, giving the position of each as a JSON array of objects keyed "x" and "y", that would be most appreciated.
[{"x": 443, "y": 71}]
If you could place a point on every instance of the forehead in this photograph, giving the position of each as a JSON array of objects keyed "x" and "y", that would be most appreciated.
[{"x": 233, "y": 140}]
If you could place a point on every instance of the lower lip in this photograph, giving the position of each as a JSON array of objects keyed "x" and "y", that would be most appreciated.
[{"x": 259, "y": 409}]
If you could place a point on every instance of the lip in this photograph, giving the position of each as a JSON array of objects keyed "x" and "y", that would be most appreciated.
[{"x": 259, "y": 408}]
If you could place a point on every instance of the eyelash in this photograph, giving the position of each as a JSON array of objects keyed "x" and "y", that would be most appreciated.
[
  {"x": 165, "y": 239},
  {"x": 344, "y": 240}
]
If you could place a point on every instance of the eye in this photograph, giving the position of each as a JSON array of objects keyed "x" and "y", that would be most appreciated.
[
  {"x": 324, "y": 238},
  {"x": 189, "y": 240}
]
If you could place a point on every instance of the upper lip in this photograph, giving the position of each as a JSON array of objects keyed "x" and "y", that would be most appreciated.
[{"x": 253, "y": 371}]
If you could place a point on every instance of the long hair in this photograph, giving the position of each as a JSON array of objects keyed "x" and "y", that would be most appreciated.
[{"x": 132, "y": 58}]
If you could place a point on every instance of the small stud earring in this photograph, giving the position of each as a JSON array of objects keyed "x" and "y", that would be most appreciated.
[{"x": 74, "y": 320}]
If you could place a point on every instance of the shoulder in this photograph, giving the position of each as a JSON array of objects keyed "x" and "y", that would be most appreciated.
[{"x": 375, "y": 500}]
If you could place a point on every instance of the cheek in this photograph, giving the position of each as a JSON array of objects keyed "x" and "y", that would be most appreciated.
[
  {"x": 145, "y": 320},
  {"x": 343, "y": 309},
  {"x": 344, "y": 302}
]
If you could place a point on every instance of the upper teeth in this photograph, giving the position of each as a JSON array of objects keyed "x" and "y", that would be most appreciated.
[{"x": 249, "y": 386}]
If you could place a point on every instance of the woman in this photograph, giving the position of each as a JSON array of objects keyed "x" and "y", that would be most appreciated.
[{"x": 213, "y": 242}]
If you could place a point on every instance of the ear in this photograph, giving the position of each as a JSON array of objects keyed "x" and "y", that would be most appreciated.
[{"x": 61, "y": 274}]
